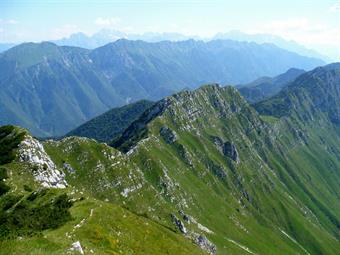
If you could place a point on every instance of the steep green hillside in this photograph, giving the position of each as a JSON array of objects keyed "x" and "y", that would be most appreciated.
[
  {"x": 237, "y": 161},
  {"x": 198, "y": 172},
  {"x": 106, "y": 127},
  {"x": 51, "y": 89}
]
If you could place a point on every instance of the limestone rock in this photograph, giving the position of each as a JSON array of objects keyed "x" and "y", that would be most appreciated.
[
  {"x": 69, "y": 168},
  {"x": 76, "y": 246},
  {"x": 229, "y": 150},
  {"x": 168, "y": 135},
  {"x": 205, "y": 244},
  {"x": 45, "y": 171},
  {"x": 226, "y": 148},
  {"x": 179, "y": 224}
]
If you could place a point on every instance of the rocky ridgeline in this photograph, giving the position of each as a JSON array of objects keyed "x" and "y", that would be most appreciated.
[
  {"x": 187, "y": 107},
  {"x": 44, "y": 170}
]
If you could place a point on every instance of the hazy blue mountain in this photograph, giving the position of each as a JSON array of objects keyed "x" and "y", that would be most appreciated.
[
  {"x": 265, "y": 87},
  {"x": 90, "y": 42},
  {"x": 106, "y": 36},
  {"x": 5, "y": 46},
  {"x": 268, "y": 38},
  {"x": 188, "y": 63},
  {"x": 51, "y": 89}
]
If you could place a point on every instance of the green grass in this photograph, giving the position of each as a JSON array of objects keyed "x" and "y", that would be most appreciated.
[
  {"x": 10, "y": 137},
  {"x": 269, "y": 119},
  {"x": 38, "y": 211}
]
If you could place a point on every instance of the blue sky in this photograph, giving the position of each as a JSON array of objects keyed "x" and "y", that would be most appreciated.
[{"x": 313, "y": 23}]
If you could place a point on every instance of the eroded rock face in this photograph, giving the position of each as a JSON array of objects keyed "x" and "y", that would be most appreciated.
[
  {"x": 185, "y": 217},
  {"x": 218, "y": 143},
  {"x": 68, "y": 168},
  {"x": 226, "y": 148},
  {"x": 168, "y": 135},
  {"x": 44, "y": 170},
  {"x": 179, "y": 224},
  {"x": 76, "y": 247},
  {"x": 205, "y": 244},
  {"x": 229, "y": 150},
  {"x": 201, "y": 240}
]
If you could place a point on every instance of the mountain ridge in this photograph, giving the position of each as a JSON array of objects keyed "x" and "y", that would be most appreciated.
[{"x": 41, "y": 83}]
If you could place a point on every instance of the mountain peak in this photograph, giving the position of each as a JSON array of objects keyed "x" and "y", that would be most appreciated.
[
  {"x": 184, "y": 108},
  {"x": 28, "y": 54}
]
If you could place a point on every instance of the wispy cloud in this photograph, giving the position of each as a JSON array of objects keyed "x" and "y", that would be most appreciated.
[
  {"x": 335, "y": 7},
  {"x": 8, "y": 21},
  {"x": 302, "y": 30},
  {"x": 65, "y": 31},
  {"x": 107, "y": 21}
]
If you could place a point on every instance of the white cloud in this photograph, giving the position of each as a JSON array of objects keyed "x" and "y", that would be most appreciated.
[
  {"x": 316, "y": 35},
  {"x": 12, "y": 21},
  {"x": 64, "y": 31},
  {"x": 303, "y": 31},
  {"x": 335, "y": 7},
  {"x": 8, "y": 22},
  {"x": 106, "y": 22},
  {"x": 299, "y": 23}
]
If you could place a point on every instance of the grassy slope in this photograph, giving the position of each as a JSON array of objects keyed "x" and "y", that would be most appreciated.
[
  {"x": 111, "y": 229},
  {"x": 264, "y": 196}
]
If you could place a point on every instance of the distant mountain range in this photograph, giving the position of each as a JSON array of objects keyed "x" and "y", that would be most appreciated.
[
  {"x": 106, "y": 36},
  {"x": 41, "y": 84},
  {"x": 268, "y": 38},
  {"x": 266, "y": 87}
]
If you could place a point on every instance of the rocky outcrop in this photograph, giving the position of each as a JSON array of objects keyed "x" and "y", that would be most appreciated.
[
  {"x": 218, "y": 142},
  {"x": 217, "y": 170},
  {"x": 44, "y": 170},
  {"x": 184, "y": 154},
  {"x": 68, "y": 168},
  {"x": 179, "y": 224},
  {"x": 168, "y": 135},
  {"x": 201, "y": 240},
  {"x": 229, "y": 150},
  {"x": 76, "y": 247},
  {"x": 204, "y": 243},
  {"x": 185, "y": 217},
  {"x": 226, "y": 148}
]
